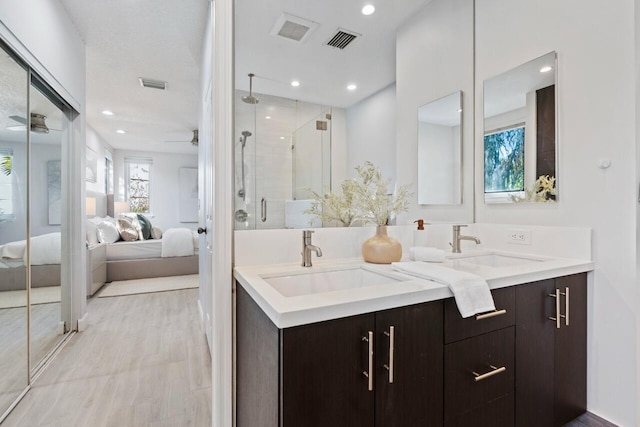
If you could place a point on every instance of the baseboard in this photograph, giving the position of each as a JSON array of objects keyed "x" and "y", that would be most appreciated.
[{"x": 83, "y": 322}]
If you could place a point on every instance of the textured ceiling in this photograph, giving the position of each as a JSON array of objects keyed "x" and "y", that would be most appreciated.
[
  {"x": 324, "y": 72},
  {"x": 156, "y": 39}
]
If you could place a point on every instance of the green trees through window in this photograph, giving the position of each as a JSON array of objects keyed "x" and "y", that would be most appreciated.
[{"x": 504, "y": 161}]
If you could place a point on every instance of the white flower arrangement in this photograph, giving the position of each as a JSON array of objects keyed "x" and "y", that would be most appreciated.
[
  {"x": 363, "y": 200},
  {"x": 543, "y": 190}
]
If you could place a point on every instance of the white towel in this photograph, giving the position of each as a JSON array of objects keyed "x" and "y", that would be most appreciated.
[
  {"x": 471, "y": 292},
  {"x": 418, "y": 253}
]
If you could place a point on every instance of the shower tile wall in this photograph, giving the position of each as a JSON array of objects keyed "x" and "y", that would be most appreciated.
[{"x": 268, "y": 155}]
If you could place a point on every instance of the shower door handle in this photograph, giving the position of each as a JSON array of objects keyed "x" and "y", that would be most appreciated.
[{"x": 263, "y": 209}]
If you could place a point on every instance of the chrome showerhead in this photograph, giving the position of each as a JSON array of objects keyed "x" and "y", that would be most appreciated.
[
  {"x": 245, "y": 135},
  {"x": 250, "y": 99}
]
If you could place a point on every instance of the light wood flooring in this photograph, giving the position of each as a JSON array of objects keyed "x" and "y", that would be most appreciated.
[{"x": 143, "y": 361}]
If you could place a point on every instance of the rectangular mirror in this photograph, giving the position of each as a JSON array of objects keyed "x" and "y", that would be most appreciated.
[
  {"x": 440, "y": 151},
  {"x": 520, "y": 133}
]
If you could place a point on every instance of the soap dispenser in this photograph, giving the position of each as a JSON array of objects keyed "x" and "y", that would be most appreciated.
[{"x": 420, "y": 235}]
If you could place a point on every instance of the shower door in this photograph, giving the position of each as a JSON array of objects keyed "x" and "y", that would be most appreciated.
[{"x": 282, "y": 148}]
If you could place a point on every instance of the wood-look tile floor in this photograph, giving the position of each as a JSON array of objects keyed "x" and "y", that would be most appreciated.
[{"x": 143, "y": 361}]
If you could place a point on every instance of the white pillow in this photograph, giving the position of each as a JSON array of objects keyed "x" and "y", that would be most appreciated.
[
  {"x": 92, "y": 233},
  {"x": 156, "y": 233},
  {"x": 108, "y": 232}
]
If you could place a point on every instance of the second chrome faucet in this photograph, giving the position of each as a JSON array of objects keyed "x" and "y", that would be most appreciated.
[{"x": 307, "y": 248}]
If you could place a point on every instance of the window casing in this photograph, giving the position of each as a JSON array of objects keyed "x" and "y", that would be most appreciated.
[{"x": 138, "y": 183}]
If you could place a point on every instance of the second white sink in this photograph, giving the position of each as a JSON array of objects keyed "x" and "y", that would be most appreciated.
[{"x": 316, "y": 282}]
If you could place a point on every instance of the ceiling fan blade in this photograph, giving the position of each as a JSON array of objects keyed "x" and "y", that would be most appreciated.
[{"x": 19, "y": 119}]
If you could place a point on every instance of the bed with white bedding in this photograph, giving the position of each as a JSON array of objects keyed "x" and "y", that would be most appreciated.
[
  {"x": 175, "y": 254},
  {"x": 45, "y": 263}
]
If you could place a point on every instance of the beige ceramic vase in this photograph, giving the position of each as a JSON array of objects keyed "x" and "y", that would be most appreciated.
[{"x": 381, "y": 249}]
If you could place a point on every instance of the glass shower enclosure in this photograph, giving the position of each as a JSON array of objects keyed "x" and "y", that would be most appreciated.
[{"x": 282, "y": 151}]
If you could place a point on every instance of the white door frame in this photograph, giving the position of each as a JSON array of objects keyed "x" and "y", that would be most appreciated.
[{"x": 222, "y": 295}]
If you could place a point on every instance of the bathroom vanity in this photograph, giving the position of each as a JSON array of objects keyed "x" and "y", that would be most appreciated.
[{"x": 400, "y": 354}]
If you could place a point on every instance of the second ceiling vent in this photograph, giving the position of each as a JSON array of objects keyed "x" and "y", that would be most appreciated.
[
  {"x": 293, "y": 28},
  {"x": 342, "y": 38},
  {"x": 152, "y": 84}
]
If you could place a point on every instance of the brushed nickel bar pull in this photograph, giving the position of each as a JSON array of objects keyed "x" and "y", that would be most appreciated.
[
  {"x": 491, "y": 314},
  {"x": 369, "y": 372},
  {"x": 558, "y": 316},
  {"x": 566, "y": 306},
  {"x": 391, "y": 334},
  {"x": 494, "y": 371},
  {"x": 263, "y": 209}
]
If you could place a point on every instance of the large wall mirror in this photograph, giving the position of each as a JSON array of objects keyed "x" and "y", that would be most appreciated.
[
  {"x": 520, "y": 133},
  {"x": 313, "y": 100},
  {"x": 440, "y": 151}
]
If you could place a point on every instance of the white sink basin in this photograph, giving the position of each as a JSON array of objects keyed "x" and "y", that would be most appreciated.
[
  {"x": 316, "y": 282},
  {"x": 495, "y": 260}
]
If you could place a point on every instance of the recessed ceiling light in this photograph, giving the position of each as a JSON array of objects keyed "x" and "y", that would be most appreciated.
[
  {"x": 459, "y": 110},
  {"x": 107, "y": 112},
  {"x": 545, "y": 69},
  {"x": 267, "y": 117},
  {"x": 368, "y": 9},
  {"x": 120, "y": 131},
  {"x": 352, "y": 87},
  {"x": 295, "y": 83},
  {"x": 282, "y": 137}
]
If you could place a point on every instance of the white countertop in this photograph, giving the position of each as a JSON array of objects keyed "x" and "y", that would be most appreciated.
[{"x": 286, "y": 312}]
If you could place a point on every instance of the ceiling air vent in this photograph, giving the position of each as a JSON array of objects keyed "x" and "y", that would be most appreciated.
[
  {"x": 342, "y": 38},
  {"x": 153, "y": 84},
  {"x": 293, "y": 28}
]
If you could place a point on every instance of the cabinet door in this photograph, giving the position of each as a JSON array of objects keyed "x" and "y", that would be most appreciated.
[
  {"x": 571, "y": 350},
  {"x": 414, "y": 398},
  {"x": 535, "y": 343},
  {"x": 322, "y": 378}
]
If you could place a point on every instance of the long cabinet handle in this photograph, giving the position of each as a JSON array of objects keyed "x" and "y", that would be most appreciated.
[
  {"x": 494, "y": 371},
  {"x": 392, "y": 338},
  {"x": 369, "y": 373},
  {"x": 491, "y": 314},
  {"x": 557, "y": 318},
  {"x": 263, "y": 209},
  {"x": 566, "y": 306}
]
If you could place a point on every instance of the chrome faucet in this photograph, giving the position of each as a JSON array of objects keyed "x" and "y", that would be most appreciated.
[
  {"x": 457, "y": 237},
  {"x": 307, "y": 247}
]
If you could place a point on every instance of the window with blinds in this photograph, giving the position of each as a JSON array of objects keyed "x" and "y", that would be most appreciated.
[{"x": 138, "y": 183}]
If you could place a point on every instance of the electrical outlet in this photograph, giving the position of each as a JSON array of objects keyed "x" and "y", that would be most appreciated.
[{"x": 519, "y": 236}]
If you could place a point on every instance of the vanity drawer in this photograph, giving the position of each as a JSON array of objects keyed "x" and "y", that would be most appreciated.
[
  {"x": 479, "y": 378},
  {"x": 456, "y": 328}
]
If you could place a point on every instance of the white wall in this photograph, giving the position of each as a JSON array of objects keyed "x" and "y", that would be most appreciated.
[
  {"x": 434, "y": 52},
  {"x": 100, "y": 146},
  {"x": 164, "y": 184},
  {"x": 439, "y": 159},
  {"x": 596, "y": 119},
  {"x": 371, "y": 133}
]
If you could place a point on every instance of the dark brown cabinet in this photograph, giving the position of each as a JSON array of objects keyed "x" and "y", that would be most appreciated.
[
  {"x": 420, "y": 365},
  {"x": 325, "y": 376},
  {"x": 551, "y": 348}
]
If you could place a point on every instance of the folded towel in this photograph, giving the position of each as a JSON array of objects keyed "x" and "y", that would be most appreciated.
[
  {"x": 419, "y": 253},
  {"x": 471, "y": 292}
]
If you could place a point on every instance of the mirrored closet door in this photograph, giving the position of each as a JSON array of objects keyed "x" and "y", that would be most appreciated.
[{"x": 35, "y": 302}]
